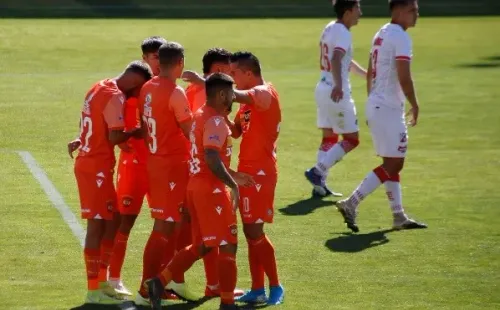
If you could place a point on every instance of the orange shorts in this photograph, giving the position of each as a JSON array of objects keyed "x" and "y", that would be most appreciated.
[
  {"x": 167, "y": 181},
  {"x": 213, "y": 219},
  {"x": 94, "y": 178},
  {"x": 257, "y": 202},
  {"x": 131, "y": 186}
]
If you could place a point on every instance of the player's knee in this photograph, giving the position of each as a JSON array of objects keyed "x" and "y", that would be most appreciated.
[
  {"x": 253, "y": 231},
  {"x": 349, "y": 144},
  {"x": 393, "y": 166},
  {"x": 229, "y": 249},
  {"x": 201, "y": 250},
  {"x": 127, "y": 223}
]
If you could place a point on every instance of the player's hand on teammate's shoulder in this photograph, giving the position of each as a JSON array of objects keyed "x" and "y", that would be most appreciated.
[
  {"x": 73, "y": 146},
  {"x": 192, "y": 77},
  {"x": 412, "y": 116},
  {"x": 243, "y": 179},
  {"x": 337, "y": 93}
]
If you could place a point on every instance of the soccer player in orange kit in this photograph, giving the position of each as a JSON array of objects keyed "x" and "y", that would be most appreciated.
[
  {"x": 212, "y": 206},
  {"x": 102, "y": 127}
]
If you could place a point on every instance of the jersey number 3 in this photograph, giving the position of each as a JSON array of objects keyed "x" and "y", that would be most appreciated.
[
  {"x": 153, "y": 144},
  {"x": 324, "y": 61}
]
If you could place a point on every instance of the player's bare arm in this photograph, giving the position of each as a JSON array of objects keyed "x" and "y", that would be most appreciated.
[
  {"x": 357, "y": 69},
  {"x": 117, "y": 136},
  {"x": 406, "y": 82},
  {"x": 336, "y": 61},
  {"x": 73, "y": 146},
  {"x": 369, "y": 76},
  {"x": 235, "y": 127},
  {"x": 217, "y": 167},
  {"x": 186, "y": 127},
  {"x": 243, "y": 96},
  {"x": 242, "y": 179},
  {"x": 192, "y": 77}
]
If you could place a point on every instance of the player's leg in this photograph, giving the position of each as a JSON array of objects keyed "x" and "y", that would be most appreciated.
[
  {"x": 389, "y": 136},
  {"x": 394, "y": 194},
  {"x": 228, "y": 272},
  {"x": 94, "y": 209},
  {"x": 183, "y": 259},
  {"x": 325, "y": 122},
  {"x": 344, "y": 121},
  {"x": 257, "y": 208}
]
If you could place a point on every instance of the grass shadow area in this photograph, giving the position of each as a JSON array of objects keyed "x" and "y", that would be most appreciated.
[
  {"x": 305, "y": 206},
  {"x": 353, "y": 243}
]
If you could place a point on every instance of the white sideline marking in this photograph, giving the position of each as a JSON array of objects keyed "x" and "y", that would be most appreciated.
[{"x": 54, "y": 196}]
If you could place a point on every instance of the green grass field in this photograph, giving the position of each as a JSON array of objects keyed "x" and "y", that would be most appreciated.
[{"x": 451, "y": 179}]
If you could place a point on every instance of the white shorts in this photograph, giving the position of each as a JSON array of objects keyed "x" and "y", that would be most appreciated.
[
  {"x": 339, "y": 116},
  {"x": 388, "y": 129}
]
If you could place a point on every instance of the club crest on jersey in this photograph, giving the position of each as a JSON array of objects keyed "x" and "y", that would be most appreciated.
[
  {"x": 233, "y": 229},
  {"x": 172, "y": 186}
]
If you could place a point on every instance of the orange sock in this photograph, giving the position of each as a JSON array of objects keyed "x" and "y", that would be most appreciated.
[
  {"x": 227, "y": 277},
  {"x": 92, "y": 263},
  {"x": 183, "y": 240},
  {"x": 106, "y": 251},
  {"x": 118, "y": 255},
  {"x": 265, "y": 249},
  {"x": 181, "y": 263},
  {"x": 211, "y": 267},
  {"x": 256, "y": 268},
  {"x": 153, "y": 257}
]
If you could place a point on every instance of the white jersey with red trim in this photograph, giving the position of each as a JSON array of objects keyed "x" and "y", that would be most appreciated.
[
  {"x": 336, "y": 36},
  {"x": 390, "y": 44}
]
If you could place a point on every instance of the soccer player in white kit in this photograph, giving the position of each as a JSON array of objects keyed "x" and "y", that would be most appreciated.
[
  {"x": 389, "y": 84},
  {"x": 335, "y": 107}
]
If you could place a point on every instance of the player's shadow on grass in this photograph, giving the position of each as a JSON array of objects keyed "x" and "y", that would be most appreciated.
[
  {"x": 130, "y": 305},
  {"x": 352, "y": 243},
  {"x": 305, "y": 206},
  {"x": 486, "y": 62}
]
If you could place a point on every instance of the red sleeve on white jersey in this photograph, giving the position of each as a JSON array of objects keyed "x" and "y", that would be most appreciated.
[{"x": 403, "y": 47}]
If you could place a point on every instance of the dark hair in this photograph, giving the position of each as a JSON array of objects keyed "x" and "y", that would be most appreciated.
[
  {"x": 152, "y": 44},
  {"x": 342, "y": 6},
  {"x": 213, "y": 56},
  {"x": 216, "y": 82},
  {"x": 140, "y": 68},
  {"x": 247, "y": 61},
  {"x": 397, "y": 3},
  {"x": 170, "y": 53}
]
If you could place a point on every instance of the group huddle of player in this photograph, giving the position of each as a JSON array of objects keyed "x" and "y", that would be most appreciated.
[
  {"x": 389, "y": 85},
  {"x": 175, "y": 150}
]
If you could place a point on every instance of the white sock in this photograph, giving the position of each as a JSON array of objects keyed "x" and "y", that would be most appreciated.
[
  {"x": 393, "y": 191},
  {"x": 369, "y": 184},
  {"x": 332, "y": 156},
  {"x": 320, "y": 158}
]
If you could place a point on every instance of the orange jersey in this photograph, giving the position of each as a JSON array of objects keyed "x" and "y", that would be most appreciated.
[
  {"x": 163, "y": 106},
  {"x": 209, "y": 130},
  {"x": 196, "y": 96},
  {"x": 102, "y": 111},
  {"x": 260, "y": 124},
  {"x": 138, "y": 147}
]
